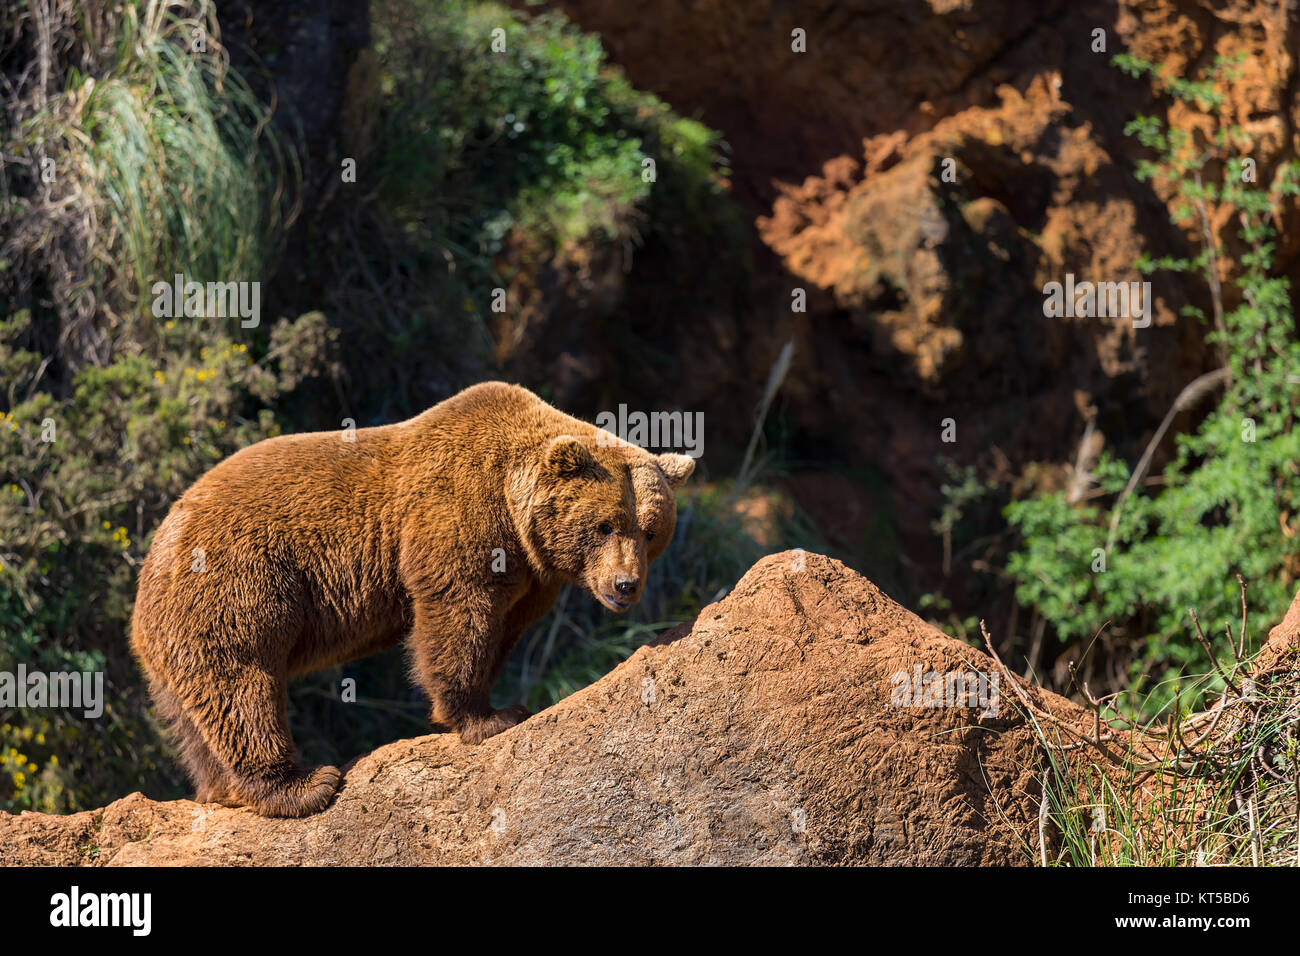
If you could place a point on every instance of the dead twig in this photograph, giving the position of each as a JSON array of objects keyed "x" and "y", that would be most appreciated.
[
  {"x": 1189, "y": 396},
  {"x": 1200, "y": 635}
]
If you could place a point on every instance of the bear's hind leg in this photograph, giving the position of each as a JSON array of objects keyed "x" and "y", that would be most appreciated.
[
  {"x": 205, "y": 771},
  {"x": 256, "y": 754},
  {"x": 211, "y": 779}
]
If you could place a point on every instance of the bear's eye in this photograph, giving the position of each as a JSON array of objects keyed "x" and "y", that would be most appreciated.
[
  {"x": 606, "y": 528},
  {"x": 649, "y": 535}
]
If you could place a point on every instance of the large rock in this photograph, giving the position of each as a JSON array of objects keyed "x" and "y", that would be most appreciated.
[{"x": 762, "y": 732}]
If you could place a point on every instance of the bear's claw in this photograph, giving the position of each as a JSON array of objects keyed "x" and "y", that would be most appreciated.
[{"x": 475, "y": 730}]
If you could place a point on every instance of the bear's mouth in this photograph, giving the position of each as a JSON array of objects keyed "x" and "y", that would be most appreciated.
[{"x": 613, "y": 602}]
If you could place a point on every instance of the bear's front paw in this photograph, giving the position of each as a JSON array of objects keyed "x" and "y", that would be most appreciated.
[{"x": 475, "y": 730}]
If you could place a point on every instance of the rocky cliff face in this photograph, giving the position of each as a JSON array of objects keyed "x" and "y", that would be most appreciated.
[
  {"x": 768, "y": 731},
  {"x": 925, "y": 296}
]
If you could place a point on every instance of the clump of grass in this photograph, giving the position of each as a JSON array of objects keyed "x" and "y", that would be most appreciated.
[
  {"x": 134, "y": 153},
  {"x": 1214, "y": 788}
]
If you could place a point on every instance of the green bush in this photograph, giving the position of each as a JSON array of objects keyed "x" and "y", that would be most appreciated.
[
  {"x": 471, "y": 140},
  {"x": 1227, "y": 500},
  {"x": 84, "y": 481},
  {"x": 474, "y": 165}
]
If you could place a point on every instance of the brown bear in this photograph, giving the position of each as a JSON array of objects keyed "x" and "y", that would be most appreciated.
[{"x": 455, "y": 529}]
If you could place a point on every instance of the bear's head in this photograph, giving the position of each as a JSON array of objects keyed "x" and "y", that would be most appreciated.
[{"x": 600, "y": 513}]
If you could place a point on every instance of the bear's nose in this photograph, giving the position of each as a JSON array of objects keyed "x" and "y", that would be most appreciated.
[{"x": 625, "y": 585}]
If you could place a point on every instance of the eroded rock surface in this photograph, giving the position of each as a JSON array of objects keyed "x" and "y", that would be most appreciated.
[{"x": 763, "y": 732}]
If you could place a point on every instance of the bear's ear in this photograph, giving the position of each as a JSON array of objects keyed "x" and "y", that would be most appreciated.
[
  {"x": 676, "y": 468},
  {"x": 567, "y": 456}
]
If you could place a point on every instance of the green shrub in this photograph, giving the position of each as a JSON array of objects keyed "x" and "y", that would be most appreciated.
[
  {"x": 470, "y": 141},
  {"x": 474, "y": 166},
  {"x": 83, "y": 482},
  {"x": 1227, "y": 499}
]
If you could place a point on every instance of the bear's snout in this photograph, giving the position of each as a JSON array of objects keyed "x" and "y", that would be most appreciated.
[{"x": 618, "y": 591}]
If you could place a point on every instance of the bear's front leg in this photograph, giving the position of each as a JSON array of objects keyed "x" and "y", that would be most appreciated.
[
  {"x": 475, "y": 730},
  {"x": 457, "y": 672}
]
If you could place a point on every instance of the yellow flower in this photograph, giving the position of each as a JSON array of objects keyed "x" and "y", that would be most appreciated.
[
  {"x": 40, "y": 738},
  {"x": 54, "y": 760},
  {"x": 159, "y": 377},
  {"x": 19, "y": 778},
  {"x": 31, "y": 768}
]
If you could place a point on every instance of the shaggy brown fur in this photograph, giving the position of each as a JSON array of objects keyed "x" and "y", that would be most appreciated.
[{"x": 305, "y": 551}]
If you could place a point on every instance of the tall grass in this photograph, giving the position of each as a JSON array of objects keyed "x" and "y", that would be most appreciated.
[
  {"x": 163, "y": 162},
  {"x": 1214, "y": 788}
]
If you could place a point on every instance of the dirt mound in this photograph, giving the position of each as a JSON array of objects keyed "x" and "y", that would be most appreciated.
[{"x": 778, "y": 727}]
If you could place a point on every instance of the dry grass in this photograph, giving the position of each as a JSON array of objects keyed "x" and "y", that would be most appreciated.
[{"x": 1213, "y": 788}]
